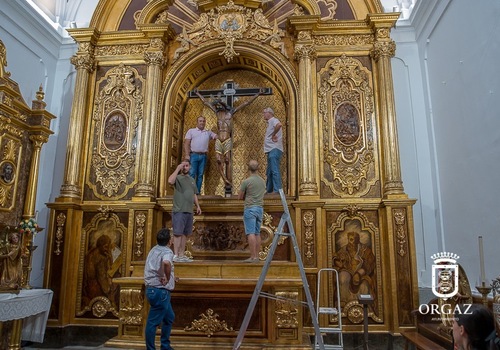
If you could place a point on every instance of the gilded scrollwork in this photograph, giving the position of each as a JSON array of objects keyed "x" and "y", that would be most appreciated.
[
  {"x": 230, "y": 23},
  {"x": 131, "y": 305},
  {"x": 140, "y": 224},
  {"x": 344, "y": 40},
  {"x": 400, "y": 221},
  {"x": 60, "y": 223},
  {"x": 308, "y": 218},
  {"x": 286, "y": 310},
  {"x": 209, "y": 324},
  {"x": 115, "y": 50},
  {"x": 118, "y": 110},
  {"x": 346, "y": 109}
]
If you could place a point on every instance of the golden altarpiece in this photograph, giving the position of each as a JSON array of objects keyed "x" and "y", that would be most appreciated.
[{"x": 328, "y": 64}]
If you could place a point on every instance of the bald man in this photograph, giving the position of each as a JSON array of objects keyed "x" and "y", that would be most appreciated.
[{"x": 252, "y": 191}]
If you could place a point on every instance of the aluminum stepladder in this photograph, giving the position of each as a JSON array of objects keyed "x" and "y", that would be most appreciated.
[
  {"x": 285, "y": 219},
  {"x": 326, "y": 310}
]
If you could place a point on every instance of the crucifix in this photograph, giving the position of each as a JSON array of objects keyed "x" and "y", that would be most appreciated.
[{"x": 221, "y": 103}]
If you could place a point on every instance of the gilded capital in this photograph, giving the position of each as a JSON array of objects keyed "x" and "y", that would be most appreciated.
[
  {"x": 303, "y": 51},
  {"x": 39, "y": 140},
  {"x": 154, "y": 58},
  {"x": 383, "y": 48},
  {"x": 83, "y": 61}
]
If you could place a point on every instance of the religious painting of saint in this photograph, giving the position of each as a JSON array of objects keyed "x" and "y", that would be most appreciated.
[
  {"x": 356, "y": 264},
  {"x": 115, "y": 131},
  {"x": 347, "y": 122},
  {"x": 102, "y": 264},
  {"x": 7, "y": 172}
]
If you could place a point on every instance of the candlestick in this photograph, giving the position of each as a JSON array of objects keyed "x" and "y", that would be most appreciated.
[{"x": 481, "y": 261}]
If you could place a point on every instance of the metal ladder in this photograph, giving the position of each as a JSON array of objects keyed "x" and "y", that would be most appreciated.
[
  {"x": 285, "y": 219},
  {"x": 326, "y": 310}
]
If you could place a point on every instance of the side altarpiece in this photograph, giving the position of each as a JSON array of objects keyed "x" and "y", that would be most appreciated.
[{"x": 328, "y": 65}]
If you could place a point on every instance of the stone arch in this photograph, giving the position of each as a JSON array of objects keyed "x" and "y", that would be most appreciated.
[{"x": 204, "y": 62}]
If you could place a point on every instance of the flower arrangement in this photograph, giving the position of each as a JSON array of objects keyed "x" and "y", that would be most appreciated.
[{"x": 27, "y": 226}]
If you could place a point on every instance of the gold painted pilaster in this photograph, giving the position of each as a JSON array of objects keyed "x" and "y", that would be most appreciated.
[
  {"x": 383, "y": 49},
  {"x": 84, "y": 63},
  {"x": 305, "y": 53},
  {"x": 155, "y": 60}
]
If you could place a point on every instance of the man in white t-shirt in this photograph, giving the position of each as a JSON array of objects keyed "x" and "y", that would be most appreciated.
[
  {"x": 273, "y": 148},
  {"x": 196, "y": 149}
]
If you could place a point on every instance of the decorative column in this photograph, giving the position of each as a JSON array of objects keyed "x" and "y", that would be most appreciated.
[
  {"x": 30, "y": 201},
  {"x": 305, "y": 53},
  {"x": 155, "y": 60},
  {"x": 383, "y": 50},
  {"x": 84, "y": 63}
]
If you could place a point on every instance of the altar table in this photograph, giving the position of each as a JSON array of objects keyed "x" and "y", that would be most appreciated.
[{"x": 29, "y": 308}]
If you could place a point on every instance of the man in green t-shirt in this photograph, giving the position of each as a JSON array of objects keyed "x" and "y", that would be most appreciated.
[
  {"x": 252, "y": 191},
  {"x": 185, "y": 194}
]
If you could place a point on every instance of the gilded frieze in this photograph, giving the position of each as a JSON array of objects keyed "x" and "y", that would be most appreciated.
[
  {"x": 344, "y": 40},
  {"x": 118, "y": 110},
  {"x": 354, "y": 250},
  {"x": 346, "y": 111},
  {"x": 121, "y": 50}
]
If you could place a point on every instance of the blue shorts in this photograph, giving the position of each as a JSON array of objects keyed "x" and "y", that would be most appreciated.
[
  {"x": 182, "y": 223},
  {"x": 252, "y": 218}
]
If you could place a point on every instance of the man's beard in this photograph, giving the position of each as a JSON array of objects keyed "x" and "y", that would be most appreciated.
[{"x": 185, "y": 172}]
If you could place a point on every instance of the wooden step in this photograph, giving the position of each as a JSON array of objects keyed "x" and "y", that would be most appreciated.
[{"x": 419, "y": 341}]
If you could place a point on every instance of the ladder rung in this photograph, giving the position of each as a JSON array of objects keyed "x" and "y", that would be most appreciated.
[
  {"x": 330, "y": 330},
  {"x": 328, "y": 310}
]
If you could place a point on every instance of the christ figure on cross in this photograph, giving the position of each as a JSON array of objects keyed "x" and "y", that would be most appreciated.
[{"x": 224, "y": 112}]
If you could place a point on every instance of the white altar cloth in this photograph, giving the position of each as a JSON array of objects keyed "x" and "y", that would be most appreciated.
[{"x": 33, "y": 306}]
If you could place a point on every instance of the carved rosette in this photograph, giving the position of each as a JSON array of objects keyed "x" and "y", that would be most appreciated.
[
  {"x": 401, "y": 236},
  {"x": 117, "y": 112},
  {"x": 346, "y": 110},
  {"x": 131, "y": 304}
]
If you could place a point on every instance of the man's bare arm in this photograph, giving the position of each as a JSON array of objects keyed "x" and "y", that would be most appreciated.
[{"x": 187, "y": 149}]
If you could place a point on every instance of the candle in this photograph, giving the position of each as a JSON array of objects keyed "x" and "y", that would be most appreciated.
[{"x": 481, "y": 261}]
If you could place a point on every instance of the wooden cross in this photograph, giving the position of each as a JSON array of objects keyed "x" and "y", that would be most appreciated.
[{"x": 229, "y": 92}]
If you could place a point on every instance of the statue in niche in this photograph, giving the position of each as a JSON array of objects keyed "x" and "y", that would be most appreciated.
[
  {"x": 11, "y": 265},
  {"x": 355, "y": 263}
]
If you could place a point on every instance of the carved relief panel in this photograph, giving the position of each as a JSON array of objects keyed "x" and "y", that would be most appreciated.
[
  {"x": 10, "y": 162},
  {"x": 346, "y": 107},
  {"x": 118, "y": 111},
  {"x": 354, "y": 250}
]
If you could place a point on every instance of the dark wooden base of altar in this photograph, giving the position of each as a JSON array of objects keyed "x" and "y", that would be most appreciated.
[{"x": 210, "y": 302}]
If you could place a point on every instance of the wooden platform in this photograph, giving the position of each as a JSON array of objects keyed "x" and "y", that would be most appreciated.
[{"x": 210, "y": 301}]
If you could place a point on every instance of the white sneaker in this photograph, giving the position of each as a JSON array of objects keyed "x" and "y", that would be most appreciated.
[
  {"x": 177, "y": 259},
  {"x": 185, "y": 259}
]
